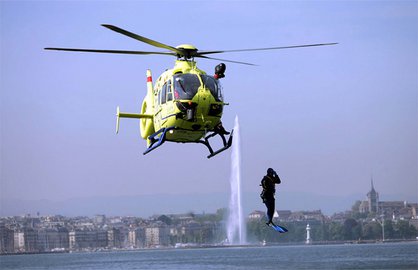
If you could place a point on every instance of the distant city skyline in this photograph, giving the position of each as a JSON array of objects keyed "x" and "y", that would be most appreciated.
[
  {"x": 175, "y": 204},
  {"x": 60, "y": 233}
]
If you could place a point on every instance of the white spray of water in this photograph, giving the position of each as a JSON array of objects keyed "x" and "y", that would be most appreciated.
[{"x": 236, "y": 230}]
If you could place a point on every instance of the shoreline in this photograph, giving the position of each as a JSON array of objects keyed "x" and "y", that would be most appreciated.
[{"x": 319, "y": 243}]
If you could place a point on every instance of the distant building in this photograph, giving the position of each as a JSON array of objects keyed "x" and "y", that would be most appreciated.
[
  {"x": 373, "y": 199},
  {"x": 6, "y": 240},
  {"x": 256, "y": 215},
  {"x": 99, "y": 219},
  {"x": 287, "y": 215},
  {"x": 31, "y": 240},
  {"x": 132, "y": 238},
  {"x": 391, "y": 208},
  {"x": 283, "y": 214},
  {"x": 114, "y": 238},
  {"x": 87, "y": 239},
  {"x": 396, "y": 210},
  {"x": 372, "y": 203},
  {"x": 50, "y": 239},
  {"x": 341, "y": 216},
  {"x": 19, "y": 241},
  {"x": 136, "y": 237},
  {"x": 140, "y": 237},
  {"x": 363, "y": 207},
  {"x": 182, "y": 218},
  {"x": 157, "y": 236},
  {"x": 315, "y": 215}
]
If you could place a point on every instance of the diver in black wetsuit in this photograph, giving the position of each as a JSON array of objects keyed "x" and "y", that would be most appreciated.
[{"x": 268, "y": 183}]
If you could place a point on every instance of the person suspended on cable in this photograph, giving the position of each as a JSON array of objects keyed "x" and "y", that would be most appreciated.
[{"x": 268, "y": 183}]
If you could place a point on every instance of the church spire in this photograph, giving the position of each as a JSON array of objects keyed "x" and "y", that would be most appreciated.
[
  {"x": 373, "y": 198},
  {"x": 371, "y": 180}
]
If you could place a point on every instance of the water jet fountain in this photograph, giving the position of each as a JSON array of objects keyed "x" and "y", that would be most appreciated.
[{"x": 236, "y": 230}]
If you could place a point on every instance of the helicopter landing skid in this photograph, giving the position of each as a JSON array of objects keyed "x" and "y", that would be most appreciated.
[
  {"x": 158, "y": 138},
  {"x": 226, "y": 144},
  {"x": 157, "y": 141}
]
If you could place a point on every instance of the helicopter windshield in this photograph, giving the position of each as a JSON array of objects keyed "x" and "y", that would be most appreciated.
[
  {"x": 213, "y": 85},
  {"x": 187, "y": 85}
]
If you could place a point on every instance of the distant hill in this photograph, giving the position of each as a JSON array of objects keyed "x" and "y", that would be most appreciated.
[{"x": 147, "y": 205}]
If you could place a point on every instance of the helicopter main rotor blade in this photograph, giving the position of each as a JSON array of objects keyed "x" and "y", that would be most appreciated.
[
  {"x": 143, "y": 39},
  {"x": 266, "y": 49},
  {"x": 230, "y": 61},
  {"x": 108, "y": 51}
]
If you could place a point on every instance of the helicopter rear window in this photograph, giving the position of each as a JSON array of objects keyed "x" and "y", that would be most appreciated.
[
  {"x": 185, "y": 86},
  {"x": 214, "y": 86}
]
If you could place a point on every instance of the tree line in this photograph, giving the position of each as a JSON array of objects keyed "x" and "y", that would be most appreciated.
[
  {"x": 355, "y": 227},
  {"x": 328, "y": 231}
]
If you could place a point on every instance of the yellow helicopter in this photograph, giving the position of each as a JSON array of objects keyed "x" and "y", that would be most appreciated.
[{"x": 185, "y": 104}]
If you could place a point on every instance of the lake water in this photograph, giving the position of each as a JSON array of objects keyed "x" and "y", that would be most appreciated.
[{"x": 360, "y": 256}]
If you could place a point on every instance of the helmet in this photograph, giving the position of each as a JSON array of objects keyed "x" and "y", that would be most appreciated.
[{"x": 270, "y": 171}]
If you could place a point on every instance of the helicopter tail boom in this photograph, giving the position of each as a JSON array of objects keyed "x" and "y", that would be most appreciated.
[{"x": 129, "y": 115}]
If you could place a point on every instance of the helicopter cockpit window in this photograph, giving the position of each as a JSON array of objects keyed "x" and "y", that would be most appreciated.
[
  {"x": 159, "y": 96},
  {"x": 214, "y": 86},
  {"x": 169, "y": 91},
  {"x": 164, "y": 94},
  {"x": 185, "y": 86}
]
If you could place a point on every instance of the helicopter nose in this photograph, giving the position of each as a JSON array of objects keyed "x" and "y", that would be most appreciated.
[{"x": 204, "y": 98}]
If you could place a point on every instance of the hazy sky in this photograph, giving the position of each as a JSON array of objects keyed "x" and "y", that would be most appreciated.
[{"x": 326, "y": 118}]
